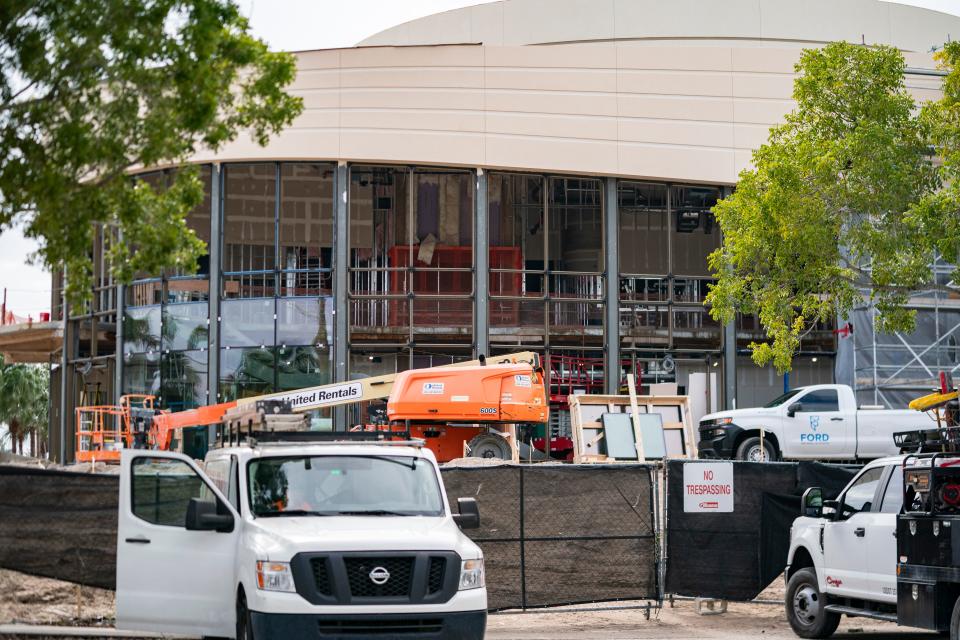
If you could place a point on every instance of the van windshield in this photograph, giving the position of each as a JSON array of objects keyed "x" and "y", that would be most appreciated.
[
  {"x": 779, "y": 400},
  {"x": 343, "y": 486}
]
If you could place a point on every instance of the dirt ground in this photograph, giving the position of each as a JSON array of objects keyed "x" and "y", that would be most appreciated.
[{"x": 30, "y": 600}]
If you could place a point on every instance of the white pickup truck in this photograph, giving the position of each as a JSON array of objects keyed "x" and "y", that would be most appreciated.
[
  {"x": 843, "y": 553},
  {"x": 819, "y": 422},
  {"x": 338, "y": 539}
]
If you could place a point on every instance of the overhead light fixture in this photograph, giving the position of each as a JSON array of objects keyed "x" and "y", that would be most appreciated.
[
  {"x": 813, "y": 359},
  {"x": 716, "y": 363}
]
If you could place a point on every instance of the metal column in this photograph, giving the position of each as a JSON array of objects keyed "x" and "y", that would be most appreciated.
[
  {"x": 213, "y": 317},
  {"x": 611, "y": 226},
  {"x": 729, "y": 353},
  {"x": 121, "y": 292},
  {"x": 481, "y": 268},
  {"x": 341, "y": 265},
  {"x": 61, "y": 452}
]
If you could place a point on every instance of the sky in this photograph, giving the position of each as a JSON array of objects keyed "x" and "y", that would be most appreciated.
[{"x": 286, "y": 25}]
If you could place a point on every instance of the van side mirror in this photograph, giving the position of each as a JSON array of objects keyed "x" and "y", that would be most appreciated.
[
  {"x": 205, "y": 515},
  {"x": 469, "y": 516},
  {"x": 811, "y": 504},
  {"x": 796, "y": 407}
]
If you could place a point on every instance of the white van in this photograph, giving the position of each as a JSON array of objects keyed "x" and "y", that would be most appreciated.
[{"x": 337, "y": 539}]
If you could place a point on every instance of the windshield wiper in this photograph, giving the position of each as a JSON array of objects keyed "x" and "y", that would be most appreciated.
[
  {"x": 294, "y": 512},
  {"x": 372, "y": 512}
]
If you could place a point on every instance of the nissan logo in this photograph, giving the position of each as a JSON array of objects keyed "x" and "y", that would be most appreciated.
[{"x": 379, "y": 575}]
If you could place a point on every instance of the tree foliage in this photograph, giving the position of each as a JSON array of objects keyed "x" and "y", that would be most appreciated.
[
  {"x": 844, "y": 202},
  {"x": 24, "y": 401},
  {"x": 92, "y": 89}
]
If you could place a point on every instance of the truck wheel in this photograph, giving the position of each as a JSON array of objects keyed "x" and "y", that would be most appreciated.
[
  {"x": 749, "y": 450},
  {"x": 805, "y": 607},
  {"x": 488, "y": 445},
  {"x": 955, "y": 621},
  {"x": 244, "y": 630}
]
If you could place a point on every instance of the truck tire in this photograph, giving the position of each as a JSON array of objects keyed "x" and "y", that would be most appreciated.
[
  {"x": 244, "y": 629},
  {"x": 805, "y": 607},
  {"x": 489, "y": 445},
  {"x": 955, "y": 621},
  {"x": 749, "y": 450}
]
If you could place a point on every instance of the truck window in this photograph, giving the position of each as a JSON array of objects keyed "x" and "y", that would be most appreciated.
[
  {"x": 343, "y": 485},
  {"x": 218, "y": 470},
  {"x": 779, "y": 400},
  {"x": 161, "y": 489},
  {"x": 893, "y": 495},
  {"x": 820, "y": 401},
  {"x": 859, "y": 497}
]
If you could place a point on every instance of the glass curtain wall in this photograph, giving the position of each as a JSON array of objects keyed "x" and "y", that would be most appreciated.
[
  {"x": 165, "y": 329},
  {"x": 277, "y": 308},
  {"x": 411, "y": 263},
  {"x": 546, "y": 260}
]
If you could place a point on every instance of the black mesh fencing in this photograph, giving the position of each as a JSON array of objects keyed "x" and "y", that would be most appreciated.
[
  {"x": 59, "y": 525},
  {"x": 735, "y": 556},
  {"x": 563, "y": 534}
]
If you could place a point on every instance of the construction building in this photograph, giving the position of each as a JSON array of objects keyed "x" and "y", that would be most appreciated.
[{"x": 514, "y": 175}]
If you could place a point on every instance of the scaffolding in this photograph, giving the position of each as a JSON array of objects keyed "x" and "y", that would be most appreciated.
[{"x": 893, "y": 369}]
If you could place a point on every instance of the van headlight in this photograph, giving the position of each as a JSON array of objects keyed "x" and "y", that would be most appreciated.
[
  {"x": 471, "y": 574},
  {"x": 274, "y": 576}
]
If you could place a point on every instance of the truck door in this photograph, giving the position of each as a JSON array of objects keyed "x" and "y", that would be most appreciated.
[
  {"x": 170, "y": 579},
  {"x": 882, "y": 537},
  {"x": 821, "y": 428},
  {"x": 845, "y": 549}
]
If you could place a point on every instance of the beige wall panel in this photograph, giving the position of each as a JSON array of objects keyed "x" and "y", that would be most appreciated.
[
  {"x": 486, "y": 23},
  {"x": 572, "y": 56},
  {"x": 692, "y": 83},
  {"x": 551, "y": 154},
  {"x": 428, "y": 120},
  {"x": 412, "y": 98},
  {"x": 313, "y": 118},
  {"x": 293, "y": 144},
  {"x": 845, "y": 20},
  {"x": 324, "y": 59},
  {"x": 923, "y": 59},
  {"x": 633, "y": 55},
  {"x": 750, "y": 136},
  {"x": 690, "y": 18},
  {"x": 554, "y": 126},
  {"x": 378, "y": 57},
  {"x": 677, "y": 107},
  {"x": 385, "y": 145},
  {"x": 316, "y": 79},
  {"x": 706, "y": 134},
  {"x": 557, "y": 20},
  {"x": 925, "y": 95},
  {"x": 758, "y": 111},
  {"x": 762, "y": 85},
  {"x": 742, "y": 160},
  {"x": 770, "y": 60},
  {"x": 320, "y": 99},
  {"x": 662, "y": 162},
  {"x": 595, "y": 80},
  {"x": 466, "y": 77},
  {"x": 601, "y": 104},
  {"x": 920, "y": 28}
]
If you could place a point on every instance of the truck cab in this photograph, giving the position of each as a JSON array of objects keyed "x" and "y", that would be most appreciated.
[
  {"x": 818, "y": 422},
  {"x": 843, "y": 552},
  {"x": 285, "y": 539}
]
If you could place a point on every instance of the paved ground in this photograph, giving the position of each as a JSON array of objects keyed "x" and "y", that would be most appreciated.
[{"x": 31, "y": 601}]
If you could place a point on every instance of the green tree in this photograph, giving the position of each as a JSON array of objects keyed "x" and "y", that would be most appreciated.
[
  {"x": 830, "y": 212},
  {"x": 24, "y": 398},
  {"x": 92, "y": 89}
]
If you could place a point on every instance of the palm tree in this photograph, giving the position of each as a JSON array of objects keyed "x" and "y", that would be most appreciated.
[{"x": 24, "y": 393}]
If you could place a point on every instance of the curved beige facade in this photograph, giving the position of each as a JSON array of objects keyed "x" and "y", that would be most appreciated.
[{"x": 653, "y": 90}]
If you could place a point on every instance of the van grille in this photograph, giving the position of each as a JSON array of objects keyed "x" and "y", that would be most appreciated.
[
  {"x": 362, "y": 586},
  {"x": 321, "y": 576},
  {"x": 435, "y": 575},
  {"x": 380, "y": 626}
]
